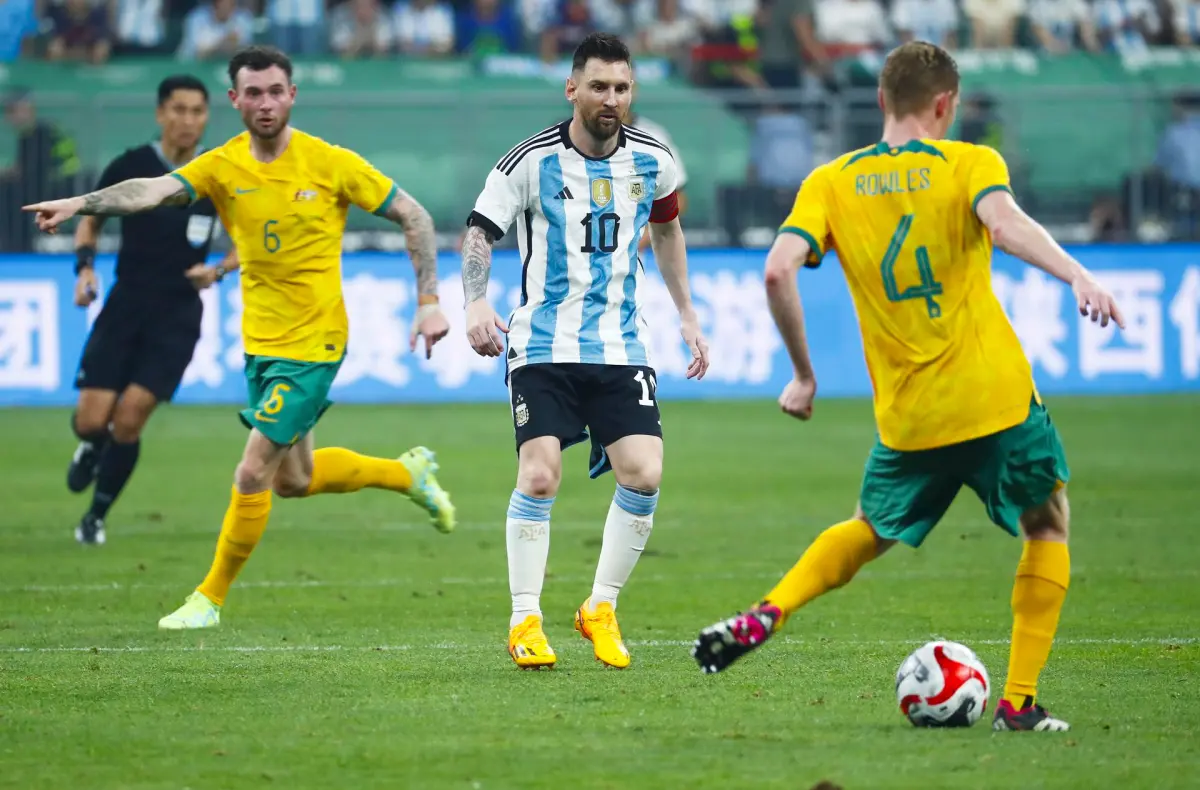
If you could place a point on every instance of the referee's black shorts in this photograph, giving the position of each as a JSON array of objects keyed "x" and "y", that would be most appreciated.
[{"x": 141, "y": 338}]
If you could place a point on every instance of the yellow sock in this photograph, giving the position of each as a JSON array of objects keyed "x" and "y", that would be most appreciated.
[
  {"x": 337, "y": 470},
  {"x": 831, "y": 561},
  {"x": 1038, "y": 594},
  {"x": 243, "y": 527}
]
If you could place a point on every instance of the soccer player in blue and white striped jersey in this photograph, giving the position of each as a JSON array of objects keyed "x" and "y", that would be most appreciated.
[{"x": 581, "y": 194}]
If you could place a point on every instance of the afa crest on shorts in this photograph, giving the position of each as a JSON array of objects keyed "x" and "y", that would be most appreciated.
[
  {"x": 602, "y": 191},
  {"x": 521, "y": 412}
]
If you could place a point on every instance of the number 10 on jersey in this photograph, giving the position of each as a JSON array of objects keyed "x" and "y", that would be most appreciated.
[{"x": 607, "y": 227}]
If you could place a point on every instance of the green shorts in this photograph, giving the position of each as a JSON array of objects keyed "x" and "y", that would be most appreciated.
[
  {"x": 286, "y": 397},
  {"x": 905, "y": 494}
]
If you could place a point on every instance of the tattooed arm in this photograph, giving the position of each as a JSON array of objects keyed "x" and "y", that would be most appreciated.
[
  {"x": 127, "y": 197},
  {"x": 422, "y": 244},
  {"x": 477, "y": 263},
  {"x": 482, "y": 321},
  {"x": 134, "y": 195}
]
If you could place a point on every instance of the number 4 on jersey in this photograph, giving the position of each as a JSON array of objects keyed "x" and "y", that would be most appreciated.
[{"x": 928, "y": 287}]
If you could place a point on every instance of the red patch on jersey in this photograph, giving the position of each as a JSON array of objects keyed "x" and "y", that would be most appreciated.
[{"x": 665, "y": 209}]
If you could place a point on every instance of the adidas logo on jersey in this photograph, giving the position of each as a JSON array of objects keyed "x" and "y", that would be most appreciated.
[{"x": 565, "y": 194}]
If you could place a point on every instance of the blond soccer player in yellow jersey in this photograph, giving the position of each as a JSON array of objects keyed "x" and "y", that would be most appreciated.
[
  {"x": 913, "y": 220},
  {"x": 284, "y": 194}
]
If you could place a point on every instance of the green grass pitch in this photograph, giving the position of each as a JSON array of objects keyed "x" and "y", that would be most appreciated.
[{"x": 362, "y": 649}]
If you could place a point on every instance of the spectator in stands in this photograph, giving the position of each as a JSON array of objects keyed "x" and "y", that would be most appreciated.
[
  {"x": 935, "y": 21},
  {"x": 141, "y": 27},
  {"x": 360, "y": 29},
  {"x": 487, "y": 27},
  {"x": 1106, "y": 221},
  {"x": 46, "y": 163},
  {"x": 994, "y": 22},
  {"x": 851, "y": 27},
  {"x": 624, "y": 18},
  {"x": 18, "y": 26},
  {"x": 1059, "y": 25},
  {"x": 536, "y": 16},
  {"x": 787, "y": 39},
  {"x": 297, "y": 26},
  {"x": 1126, "y": 25},
  {"x": 672, "y": 34},
  {"x": 1178, "y": 154},
  {"x": 215, "y": 29},
  {"x": 979, "y": 123},
  {"x": 1187, "y": 22},
  {"x": 716, "y": 15},
  {"x": 570, "y": 25},
  {"x": 782, "y": 154},
  {"x": 424, "y": 28},
  {"x": 79, "y": 31}
]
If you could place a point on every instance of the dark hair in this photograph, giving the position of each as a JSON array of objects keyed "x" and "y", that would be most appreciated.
[
  {"x": 258, "y": 58},
  {"x": 913, "y": 75},
  {"x": 604, "y": 46},
  {"x": 180, "y": 82}
]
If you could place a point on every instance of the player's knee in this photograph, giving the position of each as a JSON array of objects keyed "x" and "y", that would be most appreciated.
[
  {"x": 89, "y": 424},
  {"x": 292, "y": 486},
  {"x": 128, "y": 423},
  {"x": 644, "y": 474},
  {"x": 538, "y": 479},
  {"x": 1049, "y": 521},
  {"x": 252, "y": 476}
]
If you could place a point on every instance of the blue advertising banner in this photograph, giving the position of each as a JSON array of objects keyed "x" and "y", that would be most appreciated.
[{"x": 1158, "y": 287}]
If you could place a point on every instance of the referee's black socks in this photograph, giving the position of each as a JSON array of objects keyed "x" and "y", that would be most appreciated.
[{"x": 116, "y": 467}]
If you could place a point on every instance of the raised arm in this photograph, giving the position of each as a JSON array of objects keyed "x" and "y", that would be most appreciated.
[
  {"x": 670, "y": 254},
  {"x": 126, "y": 197},
  {"x": 1020, "y": 235},
  {"x": 133, "y": 196}
]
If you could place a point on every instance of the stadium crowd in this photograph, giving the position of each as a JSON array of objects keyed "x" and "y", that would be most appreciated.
[{"x": 771, "y": 40}]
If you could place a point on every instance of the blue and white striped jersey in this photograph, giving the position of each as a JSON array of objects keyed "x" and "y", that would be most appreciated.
[{"x": 579, "y": 220}]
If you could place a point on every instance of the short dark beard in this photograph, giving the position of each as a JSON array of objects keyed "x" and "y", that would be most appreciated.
[{"x": 599, "y": 135}]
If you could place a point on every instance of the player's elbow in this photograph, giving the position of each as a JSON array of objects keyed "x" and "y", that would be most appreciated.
[{"x": 779, "y": 273}]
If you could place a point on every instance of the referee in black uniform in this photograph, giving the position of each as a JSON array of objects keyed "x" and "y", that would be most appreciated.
[{"x": 143, "y": 339}]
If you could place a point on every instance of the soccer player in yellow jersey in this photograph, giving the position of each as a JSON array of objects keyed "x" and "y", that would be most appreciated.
[
  {"x": 913, "y": 220},
  {"x": 284, "y": 194}
]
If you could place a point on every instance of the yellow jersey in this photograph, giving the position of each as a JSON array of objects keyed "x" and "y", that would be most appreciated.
[
  {"x": 287, "y": 219},
  {"x": 945, "y": 363}
]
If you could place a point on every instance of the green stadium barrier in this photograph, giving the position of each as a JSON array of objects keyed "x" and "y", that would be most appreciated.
[
  {"x": 1073, "y": 125},
  {"x": 435, "y": 127}
]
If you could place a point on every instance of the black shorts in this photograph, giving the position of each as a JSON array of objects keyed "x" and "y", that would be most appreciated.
[
  {"x": 567, "y": 400},
  {"x": 140, "y": 339}
]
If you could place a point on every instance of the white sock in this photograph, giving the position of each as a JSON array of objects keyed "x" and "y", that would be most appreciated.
[
  {"x": 630, "y": 520},
  {"x": 528, "y": 538}
]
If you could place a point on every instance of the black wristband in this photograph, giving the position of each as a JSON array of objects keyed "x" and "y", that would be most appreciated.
[{"x": 85, "y": 256}]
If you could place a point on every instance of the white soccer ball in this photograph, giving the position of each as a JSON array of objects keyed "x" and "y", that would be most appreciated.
[{"x": 942, "y": 684}]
